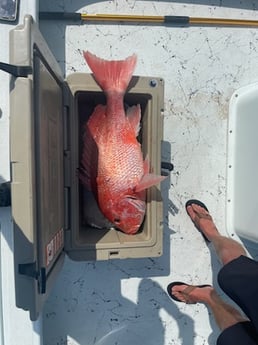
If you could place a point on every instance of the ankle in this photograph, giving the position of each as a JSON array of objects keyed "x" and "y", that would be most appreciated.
[
  {"x": 208, "y": 296},
  {"x": 212, "y": 298},
  {"x": 211, "y": 232}
]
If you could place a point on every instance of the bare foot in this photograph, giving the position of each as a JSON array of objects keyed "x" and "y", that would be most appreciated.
[
  {"x": 202, "y": 220},
  {"x": 191, "y": 294}
]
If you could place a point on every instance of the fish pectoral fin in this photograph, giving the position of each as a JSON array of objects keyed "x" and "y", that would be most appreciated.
[
  {"x": 149, "y": 180},
  {"x": 134, "y": 116}
]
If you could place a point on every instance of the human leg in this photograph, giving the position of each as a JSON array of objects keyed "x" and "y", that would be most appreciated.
[
  {"x": 242, "y": 333},
  {"x": 235, "y": 328},
  {"x": 226, "y": 248},
  {"x": 225, "y": 315},
  {"x": 239, "y": 275},
  {"x": 239, "y": 280}
]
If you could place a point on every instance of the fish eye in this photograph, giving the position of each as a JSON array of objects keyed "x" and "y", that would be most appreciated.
[{"x": 117, "y": 220}]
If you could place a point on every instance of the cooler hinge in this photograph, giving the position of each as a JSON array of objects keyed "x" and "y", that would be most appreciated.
[
  {"x": 67, "y": 162},
  {"x": 67, "y": 189},
  {"x": 67, "y": 208},
  {"x": 16, "y": 71},
  {"x": 30, "y": 270}
]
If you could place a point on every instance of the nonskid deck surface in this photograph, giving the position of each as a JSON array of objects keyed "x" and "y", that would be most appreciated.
[{"x": 125, "y": 301}]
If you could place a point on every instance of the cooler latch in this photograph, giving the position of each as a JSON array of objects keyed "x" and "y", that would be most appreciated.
[
  {"x": 166, "y": 168},
  {"x": 29, "y": 270}
]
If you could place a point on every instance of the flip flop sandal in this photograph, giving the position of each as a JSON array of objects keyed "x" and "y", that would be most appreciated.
[
  {"x": 201, "y": 204},
  {"x": 185, "y": 292}
]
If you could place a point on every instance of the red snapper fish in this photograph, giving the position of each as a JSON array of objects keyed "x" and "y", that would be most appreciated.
[{"x": 112, "y": 164}]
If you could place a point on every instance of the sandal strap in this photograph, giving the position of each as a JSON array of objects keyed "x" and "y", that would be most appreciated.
[
  {"x": 203, "y": 216},
  {"x": 186, "y": 292}
]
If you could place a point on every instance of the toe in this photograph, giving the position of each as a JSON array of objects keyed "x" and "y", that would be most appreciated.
[
  {"x": 180, "y": 297},
  {"x": 199, "y": 209},
  {"x": 178, "y": 288},
  {"x": 177, "y": 291},
  {"x": 191, "y": 211}
]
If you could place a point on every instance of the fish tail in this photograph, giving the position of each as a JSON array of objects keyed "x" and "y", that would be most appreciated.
[{"x": 111, "y": 75}]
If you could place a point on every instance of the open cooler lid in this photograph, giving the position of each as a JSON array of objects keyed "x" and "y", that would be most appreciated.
[{"x": 36, "y": 166}]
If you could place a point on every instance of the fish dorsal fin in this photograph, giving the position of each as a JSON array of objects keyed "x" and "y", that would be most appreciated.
[
  {"x": 149, "y": 180},
  {"x": 113, "y": 75},
  {"x": 134, "y": 116}
]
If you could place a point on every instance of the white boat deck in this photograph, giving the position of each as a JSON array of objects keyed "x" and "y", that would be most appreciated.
[{"x": 124, "y": 302}]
